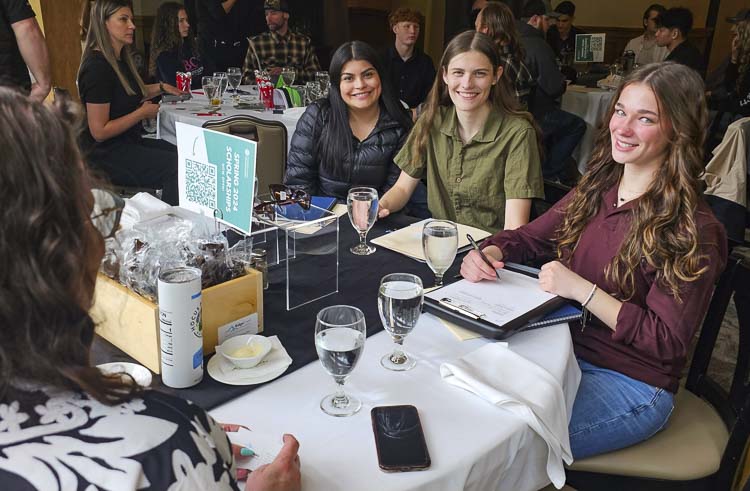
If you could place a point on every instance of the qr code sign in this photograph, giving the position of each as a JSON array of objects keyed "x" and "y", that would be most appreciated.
[
  {"x": 597, "y": 44},
  {"x": 200, "y": 180}
]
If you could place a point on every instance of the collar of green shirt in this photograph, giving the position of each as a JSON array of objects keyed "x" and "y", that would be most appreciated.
[
  {"x": 487, "y": 134},
  {"x": 278, "y": 38}
]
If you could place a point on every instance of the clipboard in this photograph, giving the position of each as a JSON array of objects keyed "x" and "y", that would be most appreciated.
[{"x": 470, "y": 318}]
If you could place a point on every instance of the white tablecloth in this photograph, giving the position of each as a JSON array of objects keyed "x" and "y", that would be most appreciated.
[
  {"x": 473, "y": 445},
  {"x": 185, "y": 112},
  {"x": 591, "y": 105}
]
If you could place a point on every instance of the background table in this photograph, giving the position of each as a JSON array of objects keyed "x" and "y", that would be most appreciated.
[
  {"x": 591, "y": 105},
  {"x": 185, "y": 112}
]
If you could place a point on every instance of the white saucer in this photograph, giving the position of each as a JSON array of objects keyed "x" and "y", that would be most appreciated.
[
  {"x": 140, "y": 374},
  {"x": 214, "y": 370}
]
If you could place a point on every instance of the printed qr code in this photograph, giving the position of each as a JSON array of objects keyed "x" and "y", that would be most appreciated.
[
  {"x": 201, "y": 183},
  {"x": 596, "y": 44}
]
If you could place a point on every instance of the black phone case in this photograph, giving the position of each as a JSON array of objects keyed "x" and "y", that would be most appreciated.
[{"x": 399, "y": 468}]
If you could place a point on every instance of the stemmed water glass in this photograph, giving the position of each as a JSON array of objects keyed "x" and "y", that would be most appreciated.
[
  {"x": 399, "y": 304},
  {"x": 234, "y": 78},
  {"x": 439, "y": 243},
  {"x": 211, "y": 89},
  {"x": 324, "y": 81},
  {"x": 362, "y": 204},
  {"x": 339, "y": 340},
  {"x": 288, "y": 74}
]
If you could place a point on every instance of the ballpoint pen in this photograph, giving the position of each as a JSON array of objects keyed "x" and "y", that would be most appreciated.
[{"x": 482, "y": 254}]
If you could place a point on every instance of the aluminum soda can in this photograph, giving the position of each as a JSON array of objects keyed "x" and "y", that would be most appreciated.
[
  {"x": 180, "y": 328},
  {"x": 184, "y": 81}
]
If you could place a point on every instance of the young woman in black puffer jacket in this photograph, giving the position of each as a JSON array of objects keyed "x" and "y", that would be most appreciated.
[{"x": 349, "y": 138}]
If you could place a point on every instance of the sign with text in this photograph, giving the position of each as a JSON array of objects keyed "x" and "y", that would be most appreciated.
[
  {"x": 216, "y": 172},
  {"x": 589, "y": 48}
]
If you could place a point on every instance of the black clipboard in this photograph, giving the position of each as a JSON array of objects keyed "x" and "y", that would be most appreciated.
[{"x": 473, "y": 321}]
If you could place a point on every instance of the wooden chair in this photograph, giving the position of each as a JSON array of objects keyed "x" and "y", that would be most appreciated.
[
  {"x": 270, "y": 162},
  {"x": 701, "y": 447}
]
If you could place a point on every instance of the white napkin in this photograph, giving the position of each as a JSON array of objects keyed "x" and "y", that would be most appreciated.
[
  {"x": 276, "y": 359},
  {"x": 508, "y": 380},
  {"x": 142, "y": 207}
]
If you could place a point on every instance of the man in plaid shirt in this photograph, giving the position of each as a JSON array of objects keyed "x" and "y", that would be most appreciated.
[{"x": 280, "y": 47}]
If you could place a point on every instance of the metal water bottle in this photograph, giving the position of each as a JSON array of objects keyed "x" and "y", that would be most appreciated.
[{"x": 180, "y": 328}]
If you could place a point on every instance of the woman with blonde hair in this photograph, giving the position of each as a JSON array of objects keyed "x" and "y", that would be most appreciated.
[
  {"x": 173, "y": 47},
  {"x": 478, "y": 150},
  {"x": 117, "y": 101},
  {"x": 638, "y": 248}
]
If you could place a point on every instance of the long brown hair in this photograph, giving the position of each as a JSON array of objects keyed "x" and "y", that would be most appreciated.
[
  {"x": 663, "y": 230},
  {"x": 501, "y": 27},
  {"x": 46, "y": 236},
  {"x": 98, "y": 39},
  {"x": 165, "y": 35},
  {"x": 500, "y": 97},
  {"x": 743, "y": 53}
]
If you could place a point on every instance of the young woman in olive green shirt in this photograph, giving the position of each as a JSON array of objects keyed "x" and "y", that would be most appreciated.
[{"x": 478, "y": 151}]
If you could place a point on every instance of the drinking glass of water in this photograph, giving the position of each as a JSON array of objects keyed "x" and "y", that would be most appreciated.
[
  {"x": 222, "y": 81},
  {"x": 362, "y": 204},
  {"x": 339, "y": 340},
  {"x": 234, "y": 78},
  {"x": 288, "y": 74},
  {"x": 400, "y": 304},
  {"x": 439, "y": 243},
  {"x": 324, "y": 81},
  {"x": 211, "y": 89}
]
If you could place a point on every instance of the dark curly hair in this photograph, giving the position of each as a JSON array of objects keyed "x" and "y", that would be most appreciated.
[
  {"x": 47, "y": 239},
  {"x": 165, "y": 35}
]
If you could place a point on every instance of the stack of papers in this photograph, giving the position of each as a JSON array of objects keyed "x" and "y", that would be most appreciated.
[{"x": 408, "y": 240}]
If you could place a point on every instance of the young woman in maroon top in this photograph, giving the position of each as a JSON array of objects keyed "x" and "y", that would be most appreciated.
[{"x": 637, "y": 246}]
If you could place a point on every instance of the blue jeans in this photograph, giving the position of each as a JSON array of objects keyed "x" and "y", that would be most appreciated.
[
  {"x": 613, "y": 411},
  {"x": 561, "y": 132}
]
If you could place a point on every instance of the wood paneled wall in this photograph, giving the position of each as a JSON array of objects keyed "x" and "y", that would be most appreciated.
[{"x": 60, "y": 20}]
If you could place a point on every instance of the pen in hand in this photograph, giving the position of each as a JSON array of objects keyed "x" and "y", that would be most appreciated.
[{"x": 482, "y": 254}]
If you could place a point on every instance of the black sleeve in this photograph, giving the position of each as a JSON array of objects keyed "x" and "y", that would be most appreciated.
[
  {"x": 213, "y": 8},
  {"x": 302, "y": 163},
  {"x": 97, "y": 81},
  {"x": 167, "y": 66},
  {"x": 394, "y": 171},
  {"x": 16, "y": 10}
]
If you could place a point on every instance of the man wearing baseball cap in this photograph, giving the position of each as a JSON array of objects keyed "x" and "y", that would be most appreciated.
[{"x": 280, "y": 47}]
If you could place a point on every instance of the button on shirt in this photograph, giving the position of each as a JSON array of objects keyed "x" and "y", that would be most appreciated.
[
  {"x": 469, "y": 183},
  {"x": 411, "y": 79}
]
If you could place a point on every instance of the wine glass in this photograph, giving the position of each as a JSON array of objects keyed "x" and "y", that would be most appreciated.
[
  {"x": 234, "y": 78},
  {"x": 362, "y": 205},
  {"x": 211, "y": 88},
  {"x": 222, "y": 81},
  {"x": 339, "y": 340},
  {"x": 400, "y": 304},
  {"x": 288, "y": 74},
  {"x": 439, "y": 243}
]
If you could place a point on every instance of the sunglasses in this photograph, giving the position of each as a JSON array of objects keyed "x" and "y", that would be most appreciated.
[
  {"x": 105, "y": 216},
  {"x": 282, "y": 195}
]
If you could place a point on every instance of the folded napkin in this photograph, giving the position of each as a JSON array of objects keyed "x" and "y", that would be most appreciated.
[
  {"x": 508, "y": 380},
  {"x": 142, "y": 207},
  {"x": 276, "y": 359}
]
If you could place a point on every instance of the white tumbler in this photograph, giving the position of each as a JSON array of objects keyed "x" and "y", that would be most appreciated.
[{"x": 180, "y": 328}]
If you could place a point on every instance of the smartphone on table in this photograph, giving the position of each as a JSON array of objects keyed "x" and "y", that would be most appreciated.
[{"x": 399, "y": 439}]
